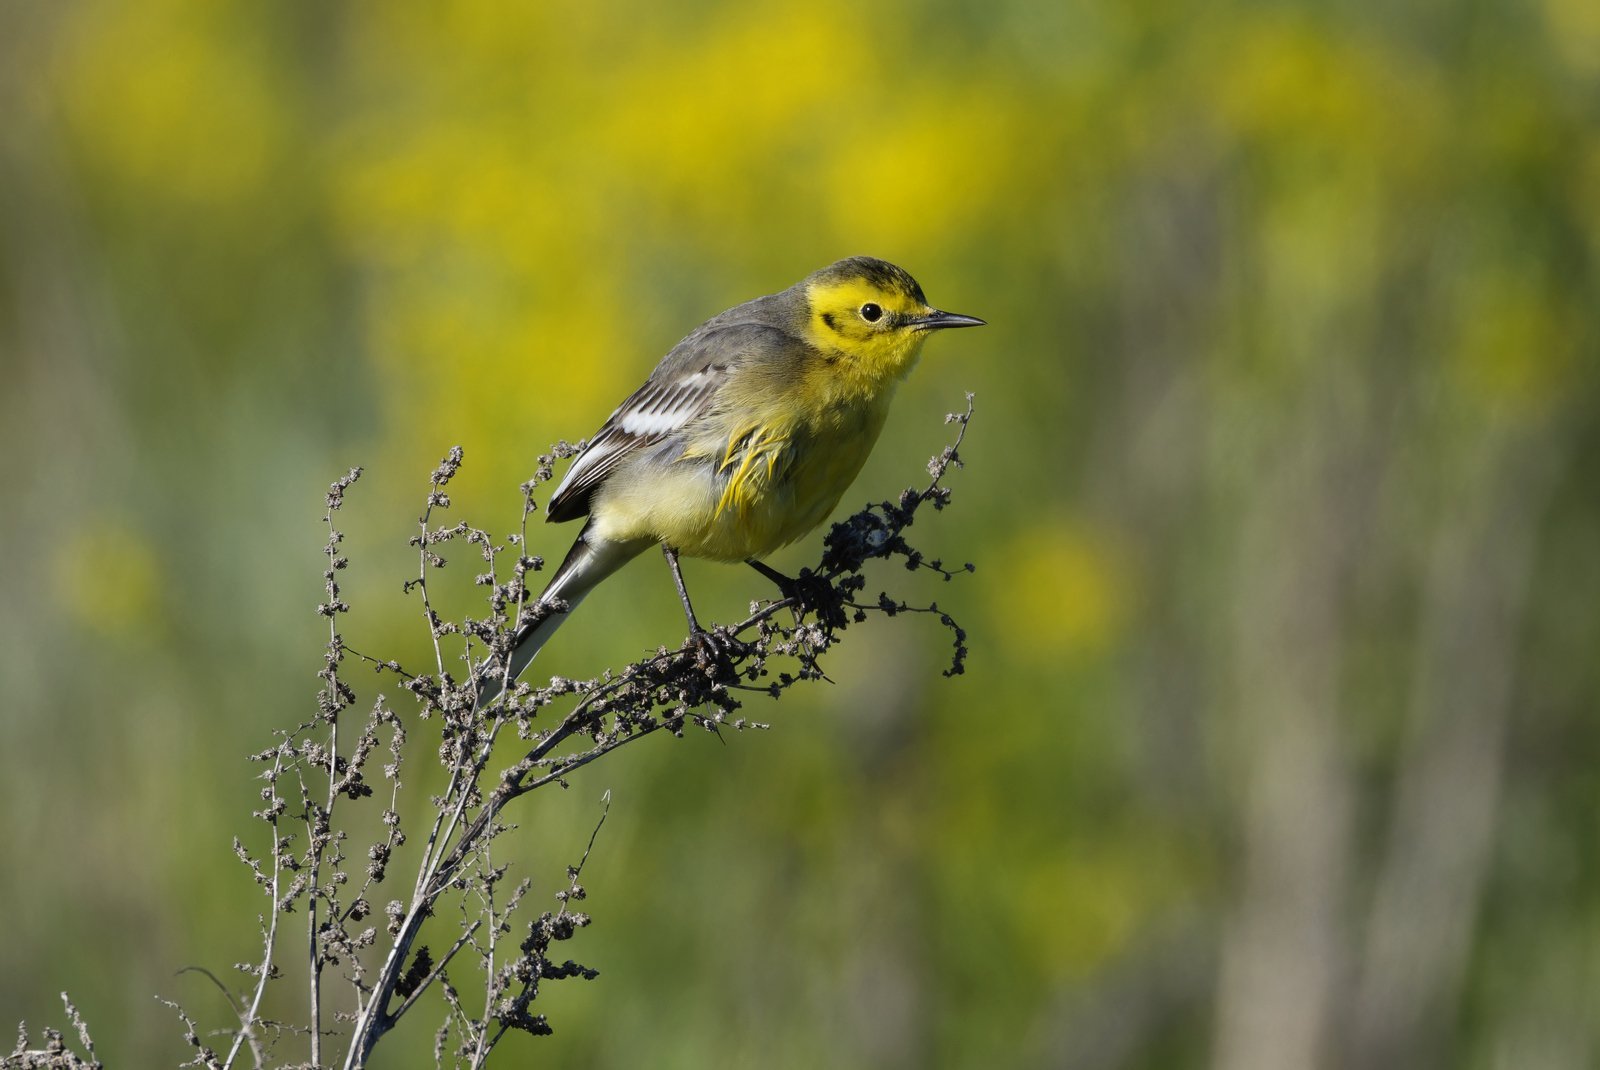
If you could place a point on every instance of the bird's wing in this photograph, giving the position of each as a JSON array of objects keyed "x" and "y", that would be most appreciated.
[
  {"x": 682, "y": 387},
  {"x": 668, "y": 401}
]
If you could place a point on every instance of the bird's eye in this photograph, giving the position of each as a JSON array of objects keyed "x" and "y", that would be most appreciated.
[{"x": 871, "y": 312}]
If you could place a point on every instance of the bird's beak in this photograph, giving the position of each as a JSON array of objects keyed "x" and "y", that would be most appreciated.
[{"x": 934, "y": 320}]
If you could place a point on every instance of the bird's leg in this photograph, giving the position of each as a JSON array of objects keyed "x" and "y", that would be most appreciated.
[
  {"x": 671, "y": 555},
  {"x": 809, "y": 593},
  {"x": 710, "y": 645},
  {"x": 786, "y": 584}
]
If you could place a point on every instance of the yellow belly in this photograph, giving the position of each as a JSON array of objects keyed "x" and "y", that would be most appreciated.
[{"x": 742, "y": 492}]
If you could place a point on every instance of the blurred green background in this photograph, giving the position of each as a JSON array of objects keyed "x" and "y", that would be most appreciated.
[{"x": 1279, "y": 739}]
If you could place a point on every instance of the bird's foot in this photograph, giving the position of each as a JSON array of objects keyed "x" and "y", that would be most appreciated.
[
  {"x": 716, "y": 650},
  {"x": 813, "y": 594}
]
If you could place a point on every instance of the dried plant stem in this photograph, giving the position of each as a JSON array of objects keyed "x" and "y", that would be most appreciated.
[{"x": 328, "y": 760}]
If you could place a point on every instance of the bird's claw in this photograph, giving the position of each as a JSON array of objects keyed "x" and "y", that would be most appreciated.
[
  {"x": 811, "y": 593},
  {"x": 714, "y": 650}
]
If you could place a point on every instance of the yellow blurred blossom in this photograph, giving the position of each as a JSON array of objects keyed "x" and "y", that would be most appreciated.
[
  {"x": 107, "y": 578},
  {"x": 1516, "y": 348},
  {"x": 1061, "y": 590},
  {"x": 176, "y": 96},
  {"x": 1574, "y": 30}
]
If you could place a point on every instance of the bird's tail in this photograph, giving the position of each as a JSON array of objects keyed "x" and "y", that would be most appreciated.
[{"x": 590, "y": 560}]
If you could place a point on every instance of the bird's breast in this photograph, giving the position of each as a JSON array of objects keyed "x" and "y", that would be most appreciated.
[{"x": 743, "y": 487}]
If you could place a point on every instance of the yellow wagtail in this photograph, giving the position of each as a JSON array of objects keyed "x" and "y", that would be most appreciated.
[{"x": 742, "y": 439}]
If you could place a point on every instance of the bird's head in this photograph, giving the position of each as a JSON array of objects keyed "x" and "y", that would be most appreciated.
[{"x": 873, "y": 313}]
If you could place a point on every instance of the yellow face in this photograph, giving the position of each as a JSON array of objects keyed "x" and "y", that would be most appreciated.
[
  {"x": 874, "y": 314},
  {"x": 876, "y": 320}
]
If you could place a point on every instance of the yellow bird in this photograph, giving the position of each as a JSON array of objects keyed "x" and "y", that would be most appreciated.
[{"x": 742, "y": 439}]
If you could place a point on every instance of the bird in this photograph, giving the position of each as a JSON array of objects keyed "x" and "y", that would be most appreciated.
[{"x": 741, "y": 441}]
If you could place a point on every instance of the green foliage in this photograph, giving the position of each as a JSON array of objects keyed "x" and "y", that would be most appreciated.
[{"x": 1276, "y": 743}]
